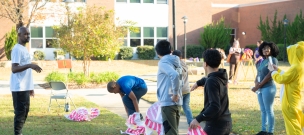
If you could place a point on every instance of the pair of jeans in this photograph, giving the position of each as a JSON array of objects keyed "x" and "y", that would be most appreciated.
[
  {"x": 21, "y": 103},
  {"x": 171, "y": 115},
  {"x": 138, "y": 92},
  {"x": 220, "y": 128},
  {"x": 186, "y": 108},
  {"x": 266, "y": 98}
]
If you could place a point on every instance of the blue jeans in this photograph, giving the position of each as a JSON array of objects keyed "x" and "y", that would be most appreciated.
[
  {"x": 139, "y": 92},
  {"x": 266, "y": 98},
  {"x": 186, "y": 107}
]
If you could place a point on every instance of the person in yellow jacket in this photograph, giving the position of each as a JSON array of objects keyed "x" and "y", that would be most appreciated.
[{"x": 293, "y": 79}]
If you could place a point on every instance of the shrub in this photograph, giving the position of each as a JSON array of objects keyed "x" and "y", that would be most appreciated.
[
  {"x": 10, "y": 41},
  {"x": 145, "y": 52},
  {"x": 103, "y": 77},
  {"x": 282, "y": 49},
  {"x": 125, "y": 53},
  {"x": 39, "y": 55},
  {"x": 56, "y": 76},
  {"x": 58, "y": 52},
  {"x": 194, "y": 51}
]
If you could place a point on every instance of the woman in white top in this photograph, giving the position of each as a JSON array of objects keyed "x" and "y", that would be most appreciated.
[{"x": 235, "y": 52}]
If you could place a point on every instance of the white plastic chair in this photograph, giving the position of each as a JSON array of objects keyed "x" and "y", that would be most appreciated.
[{"x": 59, "y": 91}]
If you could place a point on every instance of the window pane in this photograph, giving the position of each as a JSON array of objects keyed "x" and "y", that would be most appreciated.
[
  {"x": 134, "y": 42},
  {"x": 161, "y": 1},
  {"x": 162, "y": 32},
  {"x": 132, "y": 34},
  {"x": 125, "y": 42},
  {"x": 148, "y": 1},
  {"x": 121, "y": 0},
  {"x": 49, "y": 32},
  {"x": 149, "y": 42},
  {"x": 36, "y": 32},
  {"x": 36, "y": 43},
  {"x": 50, "y": 42},
  {"x": 148, "y": 32},
  {"x": 134, "y": 1}
]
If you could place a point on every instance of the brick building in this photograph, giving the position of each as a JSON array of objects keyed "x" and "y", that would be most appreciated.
[{"x": 154, "y": 18}]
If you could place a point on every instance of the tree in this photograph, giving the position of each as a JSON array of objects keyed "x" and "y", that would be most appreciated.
[
  {"x": 216, "y": 35},
  {"x": 10, "y": 41},
  {"x": 91, "y": 33},
  {"x": 15, "y": 10}
]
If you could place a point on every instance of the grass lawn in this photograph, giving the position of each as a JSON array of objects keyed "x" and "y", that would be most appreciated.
[{"x": 42, "y": 122}]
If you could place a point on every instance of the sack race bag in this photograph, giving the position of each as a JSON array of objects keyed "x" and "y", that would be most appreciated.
[
  {"x": 135, "y": 125},
  {"x": 228, "y": 58},
  {"x": 154, "y": 120},
  {"x": 83, "y": 114},
  {"x": 197, "y": 131}
]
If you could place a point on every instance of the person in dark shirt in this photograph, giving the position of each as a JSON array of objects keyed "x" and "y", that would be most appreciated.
[
  {"x": 216, "y": 105},
  {"x": 131, "y": 89}
]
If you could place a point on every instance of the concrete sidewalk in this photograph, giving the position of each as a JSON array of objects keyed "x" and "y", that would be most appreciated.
[{"x": 103, "y": 98}]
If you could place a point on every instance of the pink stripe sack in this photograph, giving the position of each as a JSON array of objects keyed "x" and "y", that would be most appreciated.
[{"x": 197, "y": 131}]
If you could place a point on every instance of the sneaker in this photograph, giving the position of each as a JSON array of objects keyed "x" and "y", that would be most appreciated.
[
  {"x": 269, "y": 133},
  {"x": 262, "y": 133}
]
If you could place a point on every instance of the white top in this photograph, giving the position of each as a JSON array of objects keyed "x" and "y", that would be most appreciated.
[{"x": 21, "y": 81}]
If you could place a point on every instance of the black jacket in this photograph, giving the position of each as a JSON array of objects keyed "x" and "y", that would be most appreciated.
[{"x": 216, "y": 104}]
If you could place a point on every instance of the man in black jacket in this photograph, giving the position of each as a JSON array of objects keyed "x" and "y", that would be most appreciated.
[{"x": 216, "y": 105}]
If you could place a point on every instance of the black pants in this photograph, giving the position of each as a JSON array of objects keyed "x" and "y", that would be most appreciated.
[
  {"x": 221, "y": 128},
  {"x": 21, "y": 102}
]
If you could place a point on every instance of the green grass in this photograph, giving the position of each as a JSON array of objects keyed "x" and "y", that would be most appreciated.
[
  {"x": 42, "y": 122},
  {"x": 244, "y": 108}
]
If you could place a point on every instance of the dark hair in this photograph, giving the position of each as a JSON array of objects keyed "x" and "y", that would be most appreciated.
[
  {"x": 163, "y": 47},
  {"x": 274, "y": 50},
  {"x": 212, "y": 57},
  {"x": 111, "y": 85},
  {"x": 177, "y": 53}
]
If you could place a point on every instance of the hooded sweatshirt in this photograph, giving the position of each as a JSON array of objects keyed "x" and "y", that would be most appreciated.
[
  {"x": 168, "y": 81},
  {"x": 216, "y": 104},
  {"x": 293, "y": 79},
  {"x": 186, "y": 87}
]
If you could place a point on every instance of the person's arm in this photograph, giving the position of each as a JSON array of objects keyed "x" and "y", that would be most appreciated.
[
  {"x": 231, "y": 50},
  {"x": 17, "y": 68},
  {"x": 121, "y": 95},
  {"x": 213, "y": 89},
  {"x": 200, "y": 82},
  {"x": 134, "y": 101}
]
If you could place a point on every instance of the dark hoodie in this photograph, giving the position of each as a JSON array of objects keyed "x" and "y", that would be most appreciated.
[{"x": 216, "y": 104}]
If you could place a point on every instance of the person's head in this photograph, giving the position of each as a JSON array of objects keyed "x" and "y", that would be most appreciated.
[
  {"x": 23, "y": 35},
  {"x": 163, "y": 47},
  {"x": 259, "y": 42},
  {"x": 177, "y": 53},
  {"x": 212, "y": 58},
  {"x": 268, "y": 49},
  {"x": 113, "y": 87},
  {"x": 236, "y": 43}
]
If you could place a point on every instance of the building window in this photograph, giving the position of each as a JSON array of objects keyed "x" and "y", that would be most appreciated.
[
  {"x": 49, "y": 37},
  {"x": 162, "y": 33},
  {"x": 149, "y": 36},
  {"x": 135, "y": 38},
  {"x": 134, "y": 1},
  {"x": 121, "y": 1},
  {"x": 232, "y": 36},
  {"x": 36, "y": 37},
  {"x": 148, "y": 1},
  {"x": 161, "y": 1}
]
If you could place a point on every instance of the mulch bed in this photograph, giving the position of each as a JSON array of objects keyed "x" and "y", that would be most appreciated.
[{"x": 75, "y": 86}]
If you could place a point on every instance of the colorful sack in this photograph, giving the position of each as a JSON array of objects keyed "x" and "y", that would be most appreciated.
[
  {"x": 154, "y": 119},
  {"x": 135, "y": 125},
  {"x": 197, "y": 131},
  {"x": 83, "y": 114}
]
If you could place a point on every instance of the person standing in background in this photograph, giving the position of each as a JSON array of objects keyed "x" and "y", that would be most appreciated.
[
  {"x": 186, "y": 88},
  {"x": 21, "y": 81},
  {"x": 235, "y": 52},
  {"x": 257, "y": 57}
]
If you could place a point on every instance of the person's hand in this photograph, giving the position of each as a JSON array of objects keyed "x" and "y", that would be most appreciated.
[
  {"x": 254, "y": 89},
  {"x": 175, "y": 98},
  {"x": 32, "y": 93},
  {"x": 36, "y": 68},
  {"x": 193, "y": 87},
  {"x": 194, "y": 124}
]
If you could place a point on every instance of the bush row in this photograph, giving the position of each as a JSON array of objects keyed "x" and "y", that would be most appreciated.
[{"x": 80, "y": 79}]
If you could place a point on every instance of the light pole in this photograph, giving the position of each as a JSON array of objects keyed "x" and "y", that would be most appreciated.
[
  {"x": 185, "y": 38},
  {"x": 285, "y": 22},
  {"x": 174, "y": 26}
]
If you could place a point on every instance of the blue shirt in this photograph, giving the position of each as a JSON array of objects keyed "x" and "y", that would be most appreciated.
[
  {"x": 263, "y": 71},
  {"x": 129, "y": 83}
]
